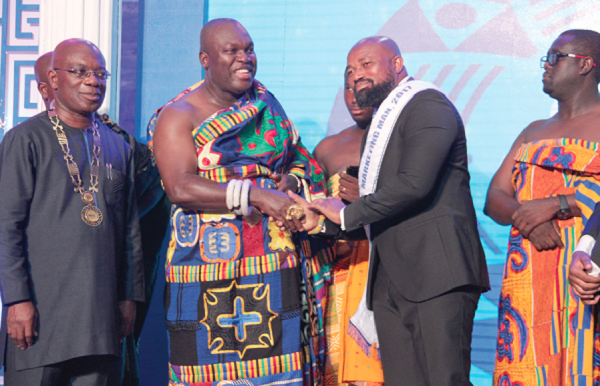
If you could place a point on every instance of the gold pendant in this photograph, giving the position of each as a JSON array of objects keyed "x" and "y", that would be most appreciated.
[
  {"x": 87, "y": 197},
  {"x": 91, "y": 215}
]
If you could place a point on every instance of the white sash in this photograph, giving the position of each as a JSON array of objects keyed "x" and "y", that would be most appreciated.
[{"x": 380, "y": 131}]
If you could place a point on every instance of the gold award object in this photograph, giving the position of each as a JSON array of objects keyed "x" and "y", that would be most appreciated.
[
  {"x": 296, "y": 211},
  {"x": 90, "y": 214}
]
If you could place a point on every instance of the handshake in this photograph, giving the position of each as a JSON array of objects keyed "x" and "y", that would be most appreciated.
[{"x": 304, "y": 216}]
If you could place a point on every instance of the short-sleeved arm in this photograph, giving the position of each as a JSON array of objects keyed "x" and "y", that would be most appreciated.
[
  {"x": 131, "y": 278},
  {"x": 17, "y": 185}
]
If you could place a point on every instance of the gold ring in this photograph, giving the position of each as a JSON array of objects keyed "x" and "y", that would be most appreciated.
[{"x": 295, "y": 211}]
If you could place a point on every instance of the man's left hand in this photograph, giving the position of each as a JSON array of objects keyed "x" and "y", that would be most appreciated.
[
  {"x": 127, "y": 310},
  {"x": 533, "y": 213},
  {"x": 330, "y": 207},
  {"x": 584, "y": 285},
  {"x": 349, "y": 187},
  {"x": 285, "y": 182}
]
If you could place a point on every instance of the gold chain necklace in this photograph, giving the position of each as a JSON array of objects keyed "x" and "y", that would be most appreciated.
[{"x": 90, "y": 214}]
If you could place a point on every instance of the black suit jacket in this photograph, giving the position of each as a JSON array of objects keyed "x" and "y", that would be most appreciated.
[{"x": 423, "y": 225}]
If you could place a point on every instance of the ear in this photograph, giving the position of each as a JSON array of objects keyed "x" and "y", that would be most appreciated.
[
  {"x": 204, "y": 59},
  {"x": 398, "y": 63},
  {"x": 43, "y": 89},
  {"x": 53, "y": 79},
  {"x": 587, "y": 65}
]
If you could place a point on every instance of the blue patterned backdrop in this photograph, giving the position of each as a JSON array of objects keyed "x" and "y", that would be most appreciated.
[
  {"x": 483, "y": 53},
  {"x": 19, "y": 39}
]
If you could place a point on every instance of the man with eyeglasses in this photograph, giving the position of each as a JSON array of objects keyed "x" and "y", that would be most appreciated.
[
  {"x": 546, "y": 188},
  {"x": 70, "y": 258},
  {"x": 153, "y": 208}
]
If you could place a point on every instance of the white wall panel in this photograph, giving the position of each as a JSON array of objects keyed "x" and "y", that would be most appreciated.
[{"x": 87, "y": 19}]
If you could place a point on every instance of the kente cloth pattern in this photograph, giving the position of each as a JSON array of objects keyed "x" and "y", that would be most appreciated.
[
  {"x": 346, "y": 360},
  {"x": 242, "y": 296},
  {"x": 546, "y": 336}
]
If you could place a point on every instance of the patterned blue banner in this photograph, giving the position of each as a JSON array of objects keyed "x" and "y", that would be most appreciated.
[{"x": 20, "y": 21}]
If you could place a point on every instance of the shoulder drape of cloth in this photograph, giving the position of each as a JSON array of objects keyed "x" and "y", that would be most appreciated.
[{"x": 214, "y": 252}]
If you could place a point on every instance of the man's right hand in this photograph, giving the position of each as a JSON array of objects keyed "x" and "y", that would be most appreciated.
[
  {"x": 546, "y": 236},
  {"x": 274, "y": 204},
  {"x": 21, "y": 323},
  {"x": 584, "y": 285}
]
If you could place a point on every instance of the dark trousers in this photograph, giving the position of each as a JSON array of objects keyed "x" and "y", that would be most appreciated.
[
  {"x": 95, "y": 370},
  {"x": 426, "y": 343}
]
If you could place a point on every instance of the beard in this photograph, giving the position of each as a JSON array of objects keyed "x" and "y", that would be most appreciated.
[{"x": 375, "y": 95}]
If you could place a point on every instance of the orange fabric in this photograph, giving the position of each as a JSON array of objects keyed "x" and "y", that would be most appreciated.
[
  {"x": 545, "y": 336},
  {"x": 345, "y": 361}
]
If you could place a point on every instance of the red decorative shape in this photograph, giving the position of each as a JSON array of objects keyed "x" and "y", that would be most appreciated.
[
  {"x": 251, "y": 146},
  {"x": 254, "y": 239},
  {"x": 503, "y": 35},
  {"x": 205, "y": 161},
  {"x": 270, "y": 137},
  {"x": 412, "y": 31}
]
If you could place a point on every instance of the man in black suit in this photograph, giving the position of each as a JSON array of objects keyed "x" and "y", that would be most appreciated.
[{"x": 427, "y": 267}]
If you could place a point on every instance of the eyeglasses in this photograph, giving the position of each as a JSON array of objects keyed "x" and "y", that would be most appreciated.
[
  {"x": 83, "y": 73},
  {"x": 553, "y": 58}
]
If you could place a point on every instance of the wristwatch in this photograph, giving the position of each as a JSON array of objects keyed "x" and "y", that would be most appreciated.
[{"x": 564, "y": 212}]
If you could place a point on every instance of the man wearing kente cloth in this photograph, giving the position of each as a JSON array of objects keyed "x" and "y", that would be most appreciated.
[
  {"x": 546, "y": 188},
  {"x": 348, "y": 358},
  {"x": 70, "y": 258},
  {"x": 233, "y": 297}
]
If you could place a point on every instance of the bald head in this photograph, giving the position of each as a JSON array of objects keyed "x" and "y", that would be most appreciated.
[
  {"x": 67, "y": 50},
  {"x": 386, "y": 43},
  {"x": 228, "y": 58},
  {"x": 78, "y": 78},
  {"x": 211, "y": 31},
  {"x": 41, "y": 68},
  {"x": 374, "y": 68}
]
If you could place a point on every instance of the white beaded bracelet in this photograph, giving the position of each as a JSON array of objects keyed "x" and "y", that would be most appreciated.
[
  {"x": 246, "y": 210},
  {"x": 229, "y": 195},
  {"x": 237, "y": 197},
  {"x": 237, "y": 193}
]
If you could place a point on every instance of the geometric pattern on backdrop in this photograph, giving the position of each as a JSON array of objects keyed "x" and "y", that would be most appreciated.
[
  {"x": 19, "y": 41},
  {"x": 19, "y": 38}
]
